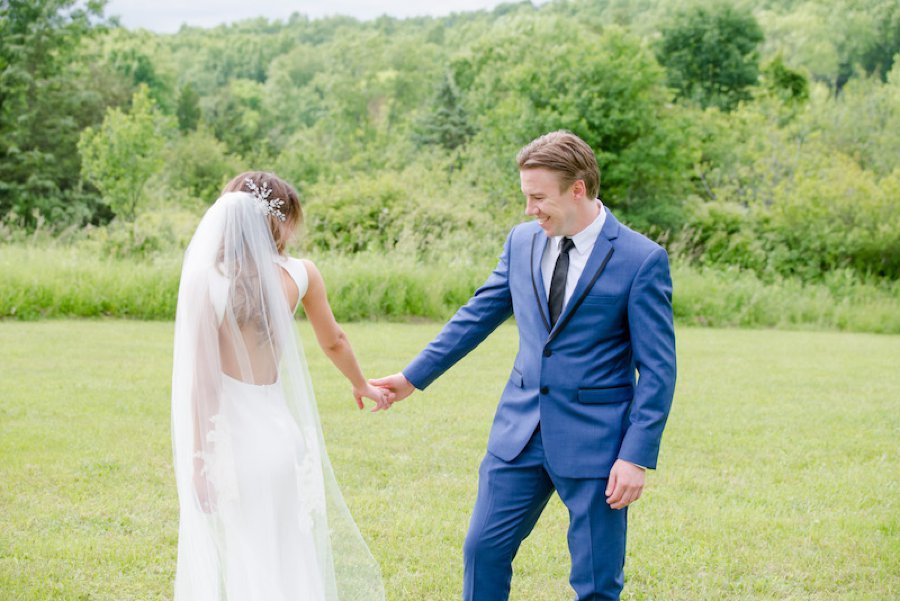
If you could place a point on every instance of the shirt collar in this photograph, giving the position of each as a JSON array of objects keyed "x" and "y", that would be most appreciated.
[{"x": 585, "y": 239}]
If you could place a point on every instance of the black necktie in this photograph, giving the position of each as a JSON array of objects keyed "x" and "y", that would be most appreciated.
[{"x": 558, "y": 281}]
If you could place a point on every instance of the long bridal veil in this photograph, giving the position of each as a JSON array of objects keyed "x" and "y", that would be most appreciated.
[{"x": 239, "y": 368}]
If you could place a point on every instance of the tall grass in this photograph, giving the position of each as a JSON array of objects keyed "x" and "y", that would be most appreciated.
[
  {"x": 46, "y": 281},
  {"x": 730, "y": 297},
  {"x": 50, "y": 282},
  {"x": 64, "y": 281}
]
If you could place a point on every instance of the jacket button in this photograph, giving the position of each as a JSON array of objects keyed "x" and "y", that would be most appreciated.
[
  {"x": 545, "y": 390},
  {"x": 547, "y": 352}
]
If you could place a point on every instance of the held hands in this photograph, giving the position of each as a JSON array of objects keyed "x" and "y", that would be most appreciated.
[
  {"x": 396, "y": 384},
  {"x": 384, "y": 391},
  {"x": 626, "y": 482},
  {"x": 382, "y": 396}
]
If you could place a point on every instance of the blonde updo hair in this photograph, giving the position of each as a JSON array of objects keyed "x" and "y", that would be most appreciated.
[{"x": 282, "y": 190}]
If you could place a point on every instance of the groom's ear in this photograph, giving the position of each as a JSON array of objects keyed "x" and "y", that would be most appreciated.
[{"x": 579, "y": 189}]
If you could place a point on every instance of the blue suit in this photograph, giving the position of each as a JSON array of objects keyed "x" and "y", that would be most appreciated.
[{"x": 572, "y": 405}]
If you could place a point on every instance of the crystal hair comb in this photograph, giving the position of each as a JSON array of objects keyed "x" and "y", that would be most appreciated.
[{"x": 266, "y": 205}]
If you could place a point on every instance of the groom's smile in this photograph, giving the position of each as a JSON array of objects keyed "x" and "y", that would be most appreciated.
[{"x": 558, "y": 211}]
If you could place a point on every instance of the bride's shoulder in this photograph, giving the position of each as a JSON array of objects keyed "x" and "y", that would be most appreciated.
[{"x": 299, "y": 270}]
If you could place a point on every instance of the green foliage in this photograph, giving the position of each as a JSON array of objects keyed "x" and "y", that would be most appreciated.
[
  {"x": 605, "y": 87},
  {"x": 155, "y": 235},
  {"x": 197, "y": 167},
  {"x": 135, "y": 57},
  {"x": 47, "y": 95},
  {"x": 394, "y": 211},
  {"x": 862, "y": 122},
  {"x": 401, "y": 134},
  {"x": 292, "y": 92},
  {"x": 877, "y": 51},
  {"x": 781, "y": 200},
  {"x": 124, "y": 152},
  {"x": 787, "y": 84},
  {"x": 827, "y": 218},
  {"x": 710, "y": 51},
  {"x": 448, "y": 124},
  {"x": 836, "y": 40},
  {"x": 188, "y": 110},
  {"x": 835, "y": 215},
  {"x": 239, "y": 118}
]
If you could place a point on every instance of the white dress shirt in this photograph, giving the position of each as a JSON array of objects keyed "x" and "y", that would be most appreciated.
[{"x": 578, "y": 256}]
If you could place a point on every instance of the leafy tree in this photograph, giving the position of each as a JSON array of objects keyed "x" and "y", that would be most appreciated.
[
  {"x": 120, "y": 156},
  {"x": 879, "y": 53},
  {"x": 239, "y": 118},
  {"x": 384, "y": 120},
  {"x": 291, "y": 94},
  {"x": 448, "y": 124},
  {"x": 198, "y": 166},
  {"x": 711, "y": 54},
  {"x": 785, "y": 83},
  {"x": 862, "y": 122},
  {"x": 188, "y": 109},
  {"x": 605, "y": 87},
  {"x": 44, "y": 104},
  {"x": 139, "y": 57}
]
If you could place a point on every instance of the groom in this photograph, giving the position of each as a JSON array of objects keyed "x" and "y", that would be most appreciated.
[{"x": 592, "y": 301}]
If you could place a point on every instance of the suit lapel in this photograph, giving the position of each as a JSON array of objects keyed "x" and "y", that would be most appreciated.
[
  {"x": 600, "y": 255},
  {"x": 538, "y": 243}
]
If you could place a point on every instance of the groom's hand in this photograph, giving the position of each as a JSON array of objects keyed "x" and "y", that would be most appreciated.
[
  {"x": 626, "y": 482},
  {"x": 397, "y": 384}
]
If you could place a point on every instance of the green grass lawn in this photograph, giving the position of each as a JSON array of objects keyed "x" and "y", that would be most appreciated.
[{"x": 778, "y": 475}]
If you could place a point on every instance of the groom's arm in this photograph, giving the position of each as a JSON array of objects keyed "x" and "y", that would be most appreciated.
[
  {"x": 490, "y": 306},
  {"x": 653, "y": 348}
]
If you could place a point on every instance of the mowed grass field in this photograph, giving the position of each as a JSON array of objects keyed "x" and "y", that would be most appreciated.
[{"x": 778, "y": 474}]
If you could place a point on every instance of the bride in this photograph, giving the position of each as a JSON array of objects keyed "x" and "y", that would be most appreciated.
[{"x": 262, "y": 518}]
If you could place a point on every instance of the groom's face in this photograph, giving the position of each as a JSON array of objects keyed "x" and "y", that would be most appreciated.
[{"x": 555, "y": 210}]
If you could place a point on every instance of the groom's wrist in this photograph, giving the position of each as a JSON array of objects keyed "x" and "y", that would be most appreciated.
[
  {"x": 411, "y": 381},
  {"x": 634, "y": 464}
]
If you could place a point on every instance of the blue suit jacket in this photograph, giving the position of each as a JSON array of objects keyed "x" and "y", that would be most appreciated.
[{"x": 577, "y": 379}]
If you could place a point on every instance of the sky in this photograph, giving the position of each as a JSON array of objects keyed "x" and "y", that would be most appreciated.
[{"x": 167, "y": 16}]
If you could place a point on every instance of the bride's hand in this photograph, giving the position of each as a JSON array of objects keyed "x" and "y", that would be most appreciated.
[
  {"x": 382, "y": 396},
  {"x": 206, "y": 494}
]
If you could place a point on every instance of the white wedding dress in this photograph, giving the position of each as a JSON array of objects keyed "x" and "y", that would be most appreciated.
[
  {"x": 269, "y": 549},
  {"x": 262, "y": 518}
]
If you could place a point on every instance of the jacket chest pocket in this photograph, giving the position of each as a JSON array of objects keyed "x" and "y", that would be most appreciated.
[{"x": 600, "y": 299}]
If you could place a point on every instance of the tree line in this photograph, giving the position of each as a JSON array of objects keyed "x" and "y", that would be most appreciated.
[{"x": 761, "y": 135}]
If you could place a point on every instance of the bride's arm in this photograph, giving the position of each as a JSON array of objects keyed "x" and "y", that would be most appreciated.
[
  {"x": 334, "y": 341},
  {"x": 205, "y": 405}
]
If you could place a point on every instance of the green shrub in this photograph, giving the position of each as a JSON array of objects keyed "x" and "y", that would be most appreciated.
[
  {"x": 828, "y": 215},
  {"x": 158, "y": 233},
  {"x": 407, "y": 211}
]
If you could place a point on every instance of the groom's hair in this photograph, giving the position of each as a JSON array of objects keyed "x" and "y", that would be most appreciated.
[
  {"x": 281, "y": 190},
  {"x": 566, "y": 154}
]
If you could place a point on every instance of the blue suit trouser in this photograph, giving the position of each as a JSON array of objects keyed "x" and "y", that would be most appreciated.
[{"x": 511, "y": 497}]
